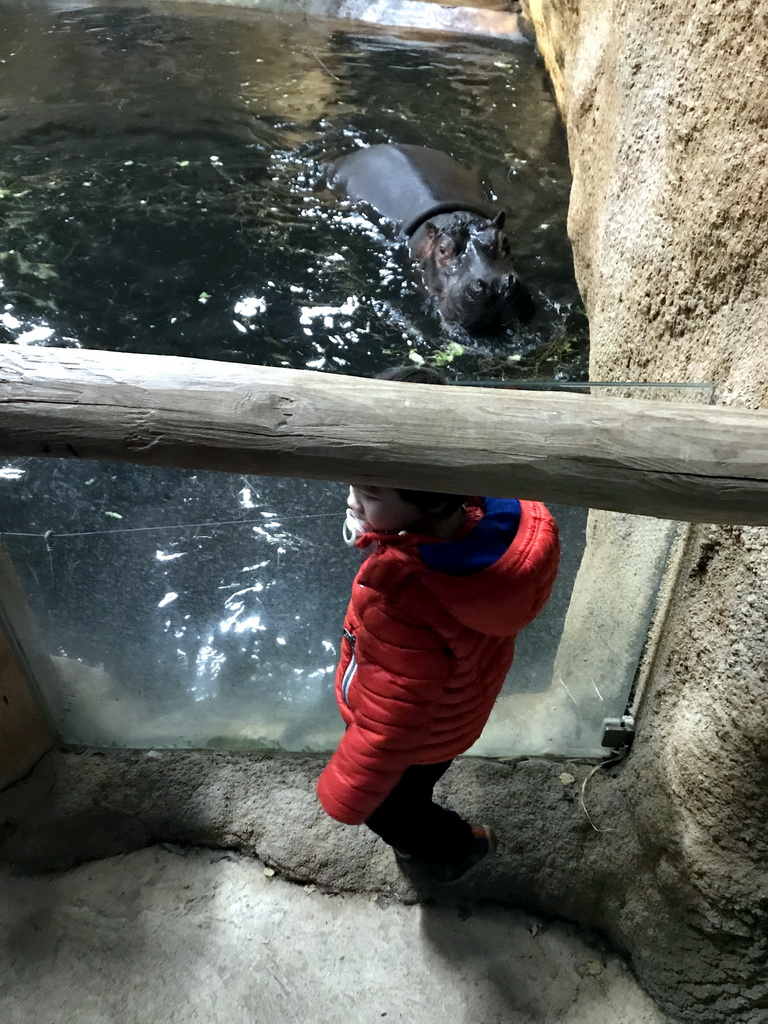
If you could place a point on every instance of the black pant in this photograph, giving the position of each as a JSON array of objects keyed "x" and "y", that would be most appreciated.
[{"x": 411, "y": 821}]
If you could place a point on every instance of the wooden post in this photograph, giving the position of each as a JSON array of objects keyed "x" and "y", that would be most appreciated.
[
  {"x": 25, "y": 733},
  {"x": 674, "y": 461}
]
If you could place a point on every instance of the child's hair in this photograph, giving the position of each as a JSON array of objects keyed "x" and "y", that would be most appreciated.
[{"x": 429, "y": 502}]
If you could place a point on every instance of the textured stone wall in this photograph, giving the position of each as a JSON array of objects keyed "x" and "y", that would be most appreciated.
[{"x": 665, "y": 105}]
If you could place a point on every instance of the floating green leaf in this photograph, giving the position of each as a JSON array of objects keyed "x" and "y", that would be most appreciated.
[{"x": 447, "y": 355}]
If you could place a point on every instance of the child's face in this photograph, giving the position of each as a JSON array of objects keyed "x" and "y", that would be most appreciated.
[{"x": 382, "y": 509}]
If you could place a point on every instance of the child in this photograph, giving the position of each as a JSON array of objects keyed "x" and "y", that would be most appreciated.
[{"x": 428, "y": 638}]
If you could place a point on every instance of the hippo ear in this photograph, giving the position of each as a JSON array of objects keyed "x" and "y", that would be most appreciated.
[{"x": 499, "y": 219}]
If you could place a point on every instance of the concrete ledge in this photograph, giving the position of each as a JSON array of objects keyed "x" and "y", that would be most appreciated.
[
  {"x": 482, "y": 17},
  {"x": 76, "y": 807}
]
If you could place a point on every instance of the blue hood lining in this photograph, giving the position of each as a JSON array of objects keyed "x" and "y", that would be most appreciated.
[{"x": 485, "y": 543}]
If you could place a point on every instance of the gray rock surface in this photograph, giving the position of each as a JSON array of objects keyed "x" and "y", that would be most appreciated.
[{"x": 668, "y": 137}]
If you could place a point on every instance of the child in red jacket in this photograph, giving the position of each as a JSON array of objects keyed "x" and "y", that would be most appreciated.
[{"x": 429, "y": 637}]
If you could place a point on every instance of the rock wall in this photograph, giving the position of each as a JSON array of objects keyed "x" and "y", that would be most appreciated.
[{"x": 668, "y": 134}]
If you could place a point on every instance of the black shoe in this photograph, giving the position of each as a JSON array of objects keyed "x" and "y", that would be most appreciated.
[{"x": 484, "y": 844}]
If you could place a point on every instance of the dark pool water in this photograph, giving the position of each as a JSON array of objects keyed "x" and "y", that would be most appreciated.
[
  {"x": 162, "y": 184},
  {"x": 162, "y": 189}
]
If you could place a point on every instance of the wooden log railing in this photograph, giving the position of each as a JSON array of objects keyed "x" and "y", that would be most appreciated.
[{"x": 695, "y": 463}]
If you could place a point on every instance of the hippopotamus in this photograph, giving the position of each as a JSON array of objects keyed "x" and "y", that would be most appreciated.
[{"x": 458, "y": 241}]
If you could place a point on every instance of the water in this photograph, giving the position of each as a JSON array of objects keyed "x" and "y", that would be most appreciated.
[
  {"x": 162, "y": 183},
  {"x": 162, "y": 188}
]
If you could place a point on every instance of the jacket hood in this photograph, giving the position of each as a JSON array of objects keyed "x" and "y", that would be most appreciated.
[{"x": 498, "y": 575}]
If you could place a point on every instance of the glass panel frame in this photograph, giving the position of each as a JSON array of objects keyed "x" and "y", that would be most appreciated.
[{"x": 168, "y": 608}]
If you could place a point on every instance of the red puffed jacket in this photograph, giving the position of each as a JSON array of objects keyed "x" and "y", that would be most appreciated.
[{"x": 429, "y": 637}]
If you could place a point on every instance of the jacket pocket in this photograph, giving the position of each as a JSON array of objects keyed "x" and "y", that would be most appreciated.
[{"x": 351, "y": 669}]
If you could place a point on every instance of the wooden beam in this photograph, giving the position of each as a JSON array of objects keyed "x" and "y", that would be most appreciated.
[{"x": 696, "y": 463}]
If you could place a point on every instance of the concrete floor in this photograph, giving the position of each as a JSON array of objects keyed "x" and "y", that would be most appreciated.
[{"x": 206, "y": 937}]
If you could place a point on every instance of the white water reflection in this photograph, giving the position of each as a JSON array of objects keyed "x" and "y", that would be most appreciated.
[
  {"x": 328, "y": 313},
  {"x": 251, "y": 305}
]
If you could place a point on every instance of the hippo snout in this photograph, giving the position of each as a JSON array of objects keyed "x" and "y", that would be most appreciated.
[
  {"x": 493, "y": 288},
  {"x": 488, "y": 303}
]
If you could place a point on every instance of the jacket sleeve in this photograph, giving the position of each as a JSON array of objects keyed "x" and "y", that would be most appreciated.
[{"x": 395, "y": 698}]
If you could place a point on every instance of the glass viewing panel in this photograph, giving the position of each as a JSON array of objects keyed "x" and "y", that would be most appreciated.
[
  {"x": 165, "y": 188},
  {"x": 167, "y": 608}
]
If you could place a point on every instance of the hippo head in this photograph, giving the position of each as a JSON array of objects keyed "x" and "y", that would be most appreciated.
[{"x": 468, "y": 267}]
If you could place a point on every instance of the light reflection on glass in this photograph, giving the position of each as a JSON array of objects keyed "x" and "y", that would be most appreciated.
[
  {"x": 208, "y": 665},
  {"x": 281, "y": 539},
  {"x": 242, "y": 619},
  {"x": 259, "y": 565},
  {"x": 168, "y": 556},
  {"x": 246, "y": 499}
]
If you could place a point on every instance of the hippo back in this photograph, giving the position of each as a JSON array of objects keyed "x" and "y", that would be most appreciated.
[{"x": 408, "y": 184}]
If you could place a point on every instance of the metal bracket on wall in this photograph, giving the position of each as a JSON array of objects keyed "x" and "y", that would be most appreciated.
[{"x": 618, "y": 732}]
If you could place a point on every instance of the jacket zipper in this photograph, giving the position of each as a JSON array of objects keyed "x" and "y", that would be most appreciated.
[{"x": 351, "y": 668}]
